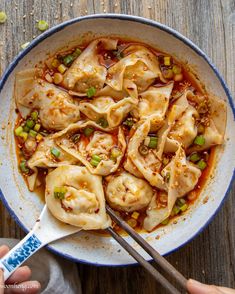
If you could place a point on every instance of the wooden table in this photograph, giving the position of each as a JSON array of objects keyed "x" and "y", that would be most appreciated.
[{"x": 210, "y": 24}]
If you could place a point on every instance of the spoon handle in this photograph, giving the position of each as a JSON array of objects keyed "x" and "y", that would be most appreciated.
[{"x": 18, "y": 254}]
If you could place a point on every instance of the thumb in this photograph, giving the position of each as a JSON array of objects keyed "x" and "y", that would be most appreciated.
[
  {"x": 195, "y": 287},
  {"x": 1, "y": 282}
]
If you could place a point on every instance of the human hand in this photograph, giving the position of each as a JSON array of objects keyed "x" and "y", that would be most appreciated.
[
  {"x": 195, "y": 287},
  {"x": 18, "y": 282}
]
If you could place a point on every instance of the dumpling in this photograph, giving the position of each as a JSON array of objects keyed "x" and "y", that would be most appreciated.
[
  {"x": 86, "y": 71},
  {"x": 139, "y": 65},
  {"x": 125, "y": 192},
  {"x": 148, "y": 164},
  {"x": 56, "y": 107},
  {"x": 184, "y": 130},
  {"x": 105, "y": 108},
  {"x": 76, "y": 197},
  {"x": 215, "y": 125},
  {"x": 154, "y": 103},
  {"x": 101, "y": 152},
  {"x": 180, "y": 176},
  {"x": 43, "y": 157}
]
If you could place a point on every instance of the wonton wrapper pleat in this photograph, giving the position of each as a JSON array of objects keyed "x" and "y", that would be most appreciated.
[
  {"x": 148, "y": 165},
  {"x": 183, "y": 178},
  {"x": 140, "y": 66},
  {"x": 101, "y": 143},
  {"x": 127, "y": 193},
  {"x": 105, "y": 107},
  {"x": 86, "y": 71},
  {"x": 154, "y": 103},
  {"x": 129, "y": 90},
  {"x": 83, "y": 204},
  {"x": 56, "y": 107}
]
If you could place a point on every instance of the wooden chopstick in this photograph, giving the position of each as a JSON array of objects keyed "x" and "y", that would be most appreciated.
[
  {"x": 157, "y": 276},
  {"x": 161, "y": 261}
]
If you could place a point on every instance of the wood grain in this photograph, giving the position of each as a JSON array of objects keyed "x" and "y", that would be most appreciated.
[{"x": 210, "y": 257}]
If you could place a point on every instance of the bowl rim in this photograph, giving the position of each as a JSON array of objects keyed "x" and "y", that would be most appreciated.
[{"x": 132, "y": 18}]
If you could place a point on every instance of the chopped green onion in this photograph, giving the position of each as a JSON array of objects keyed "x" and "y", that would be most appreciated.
[
  {"x": 96, "y": 157},
  {"x": 168, "y": 73},
  {"x": 23, "y": 167},
  {"x": 62, "y": 68},
  {"x": 24, "y": 135},
  {"x": 143, "y": 150},
  {"x": 34, "y": 115},
  {"x": 77, "y": 52},
  {"x": 129, "y": 122},
  {"x": 55, "y": 63},
  {"x": 115, "y": 153},
  {"x": 55, "y": 152},
  {"x": 58, "y": 78},
  {"x": 194, "y": 157},
  {"x": 59, "y": 192},
  {"x": 175, "y": 210},
  {"x": 95, "y": 160},
  {"x": 75, "y": 138},
  {"x": 176, "y": 69},
  {"x": 18, "y": 130},
  {"x": 167, "y": 60},
  {"x": 184, "y": 207},
  {"x": 118, "y": 54},
  {"x": 39, "y": 137},
  {"x": 180, "y": 202},
  {"x": 37, "y": 127},
  {"x": 91, "y": 92},
  {"x": 42, "y": 25},
  {"x": 165, "y": 222},
  {"x": 30, "y": 123},
  {"x": 32, "y": 133},
  {"x": 88, "y": 131},
  {"x": 202, "y": 164},
  {"x": 103, "y": 122},
  {"x": 68, "y": 59},
  {"x": 26, "y": 129},
  {"x": 23, "y": 46},
  {"x": 167, "y": 177},
  {"x": 3, "y": 17},
  {"x": 199, "y": 140},
  {"x": 153, "y": 142}
]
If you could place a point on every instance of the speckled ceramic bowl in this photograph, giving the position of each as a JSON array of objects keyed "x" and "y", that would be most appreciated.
[{"x": 88, "y": 247}]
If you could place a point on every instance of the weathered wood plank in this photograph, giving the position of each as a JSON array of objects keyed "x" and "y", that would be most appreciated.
[{"x": 211, "y": 25}]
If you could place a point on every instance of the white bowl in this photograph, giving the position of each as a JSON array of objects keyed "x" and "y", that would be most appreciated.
[{"x": 88, "y": 247}]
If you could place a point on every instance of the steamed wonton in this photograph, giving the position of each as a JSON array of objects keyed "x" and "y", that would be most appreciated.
[
  {"x": 105, "y": 107},
  {"x": 82, "y": 201},
  {"x": 43, "y": 158},
  {"x": 99, "y": 143},
  {"x": 56, "y": 108},
  {"x": 149, "y": 165},
  {"x": 154, "y": 103},
  {"x": 125, "y": 192},
  {"x": 139, "y": 65},
  {"x": 86, "y": 71},
  {"x": 182, "y": 177}
]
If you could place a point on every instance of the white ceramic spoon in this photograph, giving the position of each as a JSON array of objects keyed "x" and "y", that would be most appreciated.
[{"x": 46, "y": 229}]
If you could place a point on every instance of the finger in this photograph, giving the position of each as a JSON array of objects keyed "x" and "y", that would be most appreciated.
[
  {"x": 22, "y": 274},
  {"x": 227, "y": 290},
  {"x": 29, "y": 287},
  {"x": 195, "y": 287},
  {"x": 3, "y": 250},
  {"x": 1, "y": 282}
]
